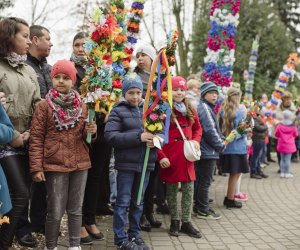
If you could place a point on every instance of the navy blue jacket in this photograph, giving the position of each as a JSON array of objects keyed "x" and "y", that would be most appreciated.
[
  {"x": 212, "y": 142},
  {"x": 123, "y": 131}
]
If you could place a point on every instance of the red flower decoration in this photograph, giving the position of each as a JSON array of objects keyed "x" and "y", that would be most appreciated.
[{"x": 117, "y": 84}]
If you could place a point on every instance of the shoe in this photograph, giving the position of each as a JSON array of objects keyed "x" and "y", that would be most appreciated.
[
  {"x": 208, "y": 215},
  {"x": 211, "y": 200},
  {"x": 262, "y": 165},
  {"x": 263, "y": 175},
  {"x": 271, "y": 160},
  {"x": 129, "y": 245},
  {"x": 232, "y": 203},
  {"x": 255, "y": 176},
  {"x": 27, "y": 240},
  {"x": 97, "y": 236},
  {"x": 163, "y": 209},
  {"x": 282, "y": 175},
  {"x": 289, "y": 175},
  {"x": 188, "y": 229},
  {"x": 86, "y": 240},
  {"x": 295, "y": 160},
  {"x": 152, "y": 220},
  {"x": 144, "y": 224},
  {"x": 174, "y": 228},
  {"x": 241, "y": 197},
  {"x": 278, "y": 171},
  {"x": 74, "y": 248},
  {"x": 141, "y": 243}
]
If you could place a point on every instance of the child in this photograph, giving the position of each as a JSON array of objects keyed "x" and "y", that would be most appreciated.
[
  {"x": 59, "y": 155},
  {"x": 234, "y": 158},
  {"x": 125, "y": 132},
  {"x": 211, "y": 145},
  {"x": 286, "y": 132},
  {"x": 193, "y": 92},
  {"x": 258, "y": 143},
  {"x": 175, "y": 167}
]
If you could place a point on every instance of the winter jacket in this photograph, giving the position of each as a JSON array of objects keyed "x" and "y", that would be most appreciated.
[
  {"x": 79, "y": 77},
  {"x": 212, "y": 142},
  {"x": 180, "y": 169},
  {"x": 54, "y": 150},
  {"x": 20, "y": 85},
  {"x": 123, "y": 131},
  {"x": 239, "y": 144},
  {"x": 6, "y": 135},
  {"x": 42, "y": 70},
  {"x": 260, "y": 129},
  {"x": 286, "y": 138}
]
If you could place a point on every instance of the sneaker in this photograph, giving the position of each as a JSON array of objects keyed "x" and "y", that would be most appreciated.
[
  {"x": 232, "y": 203},
  {"x": 188, "y": 229},
  {"x": 141, "y": 243},
  {"x": 255, "y": 176},
  {"x": 163, "y": 209},
  {"x": 241, "y": 197},
  {"x": 263, "y": 165},
  {"x": 208, "y": 215},
  {"x": 271, "y": 160},
  {"x": 289, "y": 175},
  {"x": 129, "y": 245},
  {"x": 282, "y": 175},
  {"x": 263, "y": 175},
  {"x": 174, "y": 228}
]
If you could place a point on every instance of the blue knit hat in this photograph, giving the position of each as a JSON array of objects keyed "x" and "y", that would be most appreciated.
[
  {"x": 208, "y": 86},
  {"x": 131, "y": 80}
]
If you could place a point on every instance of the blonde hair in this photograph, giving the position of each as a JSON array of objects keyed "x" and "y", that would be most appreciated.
[
  {"x": 232, "y": 102},
  {"x": 192, "y": 83}
]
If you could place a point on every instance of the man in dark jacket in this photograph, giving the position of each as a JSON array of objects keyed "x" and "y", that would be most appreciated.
[
  {"x": 38, "y": 51},
  {"x": 211, "y": 145}
]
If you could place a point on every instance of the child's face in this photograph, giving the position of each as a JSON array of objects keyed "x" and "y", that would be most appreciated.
[
  {"x": 133, "y": 96},
  {"x": 178, "y": 94},
  {"x": 211, "y": 96},
  {"x": 287, "y": 102},
  {"x": 143, "y": 61},
  {"x": 62, "y": 83}
]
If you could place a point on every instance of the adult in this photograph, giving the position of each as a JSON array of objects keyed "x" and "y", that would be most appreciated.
[
  {"x": 19, "y": 83},
  {"x": 38, "y": 51},
  {"x": 78, "y": 57}
]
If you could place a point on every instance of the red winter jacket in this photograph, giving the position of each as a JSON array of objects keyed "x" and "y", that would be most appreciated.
[{"x": 180, "y": 169}]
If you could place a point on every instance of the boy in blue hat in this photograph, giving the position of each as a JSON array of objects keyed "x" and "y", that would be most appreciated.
[
  {"x": 212, "y": 143},
  {"x": 125, "y": 132}
]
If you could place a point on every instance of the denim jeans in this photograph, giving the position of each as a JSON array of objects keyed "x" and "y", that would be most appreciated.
[
  {"x": 285, "y": 162},
  {"x": 204, "y": 175},
  {"x": 112, "y": 179},
  {"x": 258, "y": 147},
  {"x": 65, "y": 192},
  {"x": 128, "y": 183}
]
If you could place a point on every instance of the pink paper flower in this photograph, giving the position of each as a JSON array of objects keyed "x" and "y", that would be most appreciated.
[{"x": 153, "y": 116}]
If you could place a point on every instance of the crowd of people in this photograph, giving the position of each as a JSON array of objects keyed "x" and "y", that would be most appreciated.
[{"x": 47, "y": 169}]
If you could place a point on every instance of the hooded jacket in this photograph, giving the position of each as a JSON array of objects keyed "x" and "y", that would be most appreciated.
[{"x": 286, "y": 138}]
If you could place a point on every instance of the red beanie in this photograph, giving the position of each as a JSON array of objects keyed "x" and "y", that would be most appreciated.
[
  {"x": 64, "y": 67},
  {"x": 179, "y": 82}
]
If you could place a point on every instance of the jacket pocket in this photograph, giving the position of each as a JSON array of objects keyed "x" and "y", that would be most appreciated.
[{"x": 50, "y": 151}]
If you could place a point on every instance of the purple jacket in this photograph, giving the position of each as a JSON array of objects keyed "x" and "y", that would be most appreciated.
[{"x": 286, "y": 138}]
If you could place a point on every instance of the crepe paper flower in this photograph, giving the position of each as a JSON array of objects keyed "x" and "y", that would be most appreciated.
[
  {"x": 4, "y": 220},
  {"x": 220, "y": 42},
  {"x": 281, "y": 84}
]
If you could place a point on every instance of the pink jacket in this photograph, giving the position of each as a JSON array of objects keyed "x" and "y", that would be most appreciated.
[{"x": 286, "y": 138}]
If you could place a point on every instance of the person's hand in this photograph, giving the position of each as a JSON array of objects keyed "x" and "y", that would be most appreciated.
[
  {"x": 38, "y": 176},
  {"x": 91, "y": 128},
  {"x": 17, "y": 142},
  {"x": 197, "y": 146},
  {"x": 147, "y": 137},
  {"x": 3, "y": 99},
  {"x": 26, "y": 136},
  {"x": 164, "y": 163},
  {"x": 150, "y": 144}
]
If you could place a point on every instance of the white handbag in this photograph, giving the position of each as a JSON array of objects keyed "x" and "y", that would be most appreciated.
[{"x": 190, "y": 153}]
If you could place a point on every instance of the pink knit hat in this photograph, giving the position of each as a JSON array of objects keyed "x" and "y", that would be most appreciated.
[
  {"x": 64, "y": 67},
  {"x": 178, "y": 82}
]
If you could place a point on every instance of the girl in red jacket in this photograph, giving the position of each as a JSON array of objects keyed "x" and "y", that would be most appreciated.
[{"x": 175, "y": 167}]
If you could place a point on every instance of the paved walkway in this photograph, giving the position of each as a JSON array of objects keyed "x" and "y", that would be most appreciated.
[{"x": 270, "y": 219}]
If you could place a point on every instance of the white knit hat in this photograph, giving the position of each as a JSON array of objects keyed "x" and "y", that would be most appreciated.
[
  {"x": 288, "y": 117},
  {"x": 146, "y": 49}
]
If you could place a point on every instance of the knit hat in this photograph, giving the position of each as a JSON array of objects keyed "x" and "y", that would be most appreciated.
[
  {"x": 146, "y": 49},
  {"x": 178, "y": 82},
  {"x": 64, "y": 67},
  {"x": 131, "y": 80},
  {"x": 208, "y": 86},
  {"x": 288, "y": 117}
]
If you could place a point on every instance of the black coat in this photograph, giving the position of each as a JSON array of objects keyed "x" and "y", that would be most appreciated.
[{"x": 123, "y": 131}]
